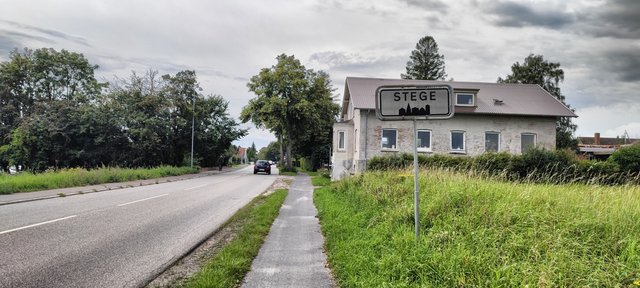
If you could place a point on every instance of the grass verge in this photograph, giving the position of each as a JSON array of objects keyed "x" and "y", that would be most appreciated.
[
  {"x": 229, "y": 266},
  {"x": 479, "y": 232},
  {"x": 26, "y": 182},
  {"x": 288, "y": 173},
  {"x": 320, "y": 181}
]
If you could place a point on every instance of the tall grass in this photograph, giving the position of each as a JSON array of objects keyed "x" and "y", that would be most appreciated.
[
  {"x": 25, "y": 182},
  {"x": 479, "y": 232}
]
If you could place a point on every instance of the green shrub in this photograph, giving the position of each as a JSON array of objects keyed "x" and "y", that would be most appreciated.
[
  {"x": 493, "y": 162},
  {"x": 446, "y": 161},
  {"x": 285, "y": 169},
  {"x": 390, "y": 162},
  {"x": 627, "y": 158},
  {"x": 536, "y": 165}
]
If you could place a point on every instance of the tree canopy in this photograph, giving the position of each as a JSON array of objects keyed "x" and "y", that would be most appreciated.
[
  {"x": 536, "y": 70},
  {"x": 425, "y": 62},
  {"x": 56, "y": 115},
  {"x": 295, "y": 104}
]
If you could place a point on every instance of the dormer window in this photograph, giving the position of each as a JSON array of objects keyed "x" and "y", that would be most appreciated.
[{"x": 465, "y": 99}]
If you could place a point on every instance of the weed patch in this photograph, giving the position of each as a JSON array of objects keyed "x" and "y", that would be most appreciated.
[
  {"x": 479, "y": 232},
  {"x": 320, "y": 181}
]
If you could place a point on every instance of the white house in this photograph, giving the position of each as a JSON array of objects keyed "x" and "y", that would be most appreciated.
[{"x": 488, "y": 117}]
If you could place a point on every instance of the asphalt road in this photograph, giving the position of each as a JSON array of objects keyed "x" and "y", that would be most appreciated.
[{"x": 118, "y": 238}]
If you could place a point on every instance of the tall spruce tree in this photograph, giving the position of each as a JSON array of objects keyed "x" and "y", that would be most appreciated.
[{"x": 426, "y": 63}]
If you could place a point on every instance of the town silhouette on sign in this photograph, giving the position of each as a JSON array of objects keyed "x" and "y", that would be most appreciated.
[{"x": 415, "y": 111}]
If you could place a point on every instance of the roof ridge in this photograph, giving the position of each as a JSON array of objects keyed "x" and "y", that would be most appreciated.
[{"x": 444, "y": 81}]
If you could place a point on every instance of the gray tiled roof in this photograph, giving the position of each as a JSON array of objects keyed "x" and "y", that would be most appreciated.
[{"x": 517, "y": 99}]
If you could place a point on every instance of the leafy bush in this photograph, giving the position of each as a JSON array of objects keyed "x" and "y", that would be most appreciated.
[
  {"x": 390, "y": 162},
  {"x": 536, "y": 165},
  {"x": 627, "y": 158},
  {"x": 493, "y": 162}
]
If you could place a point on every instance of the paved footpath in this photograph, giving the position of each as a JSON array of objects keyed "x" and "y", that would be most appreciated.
[{"x": 293, "y": 255}]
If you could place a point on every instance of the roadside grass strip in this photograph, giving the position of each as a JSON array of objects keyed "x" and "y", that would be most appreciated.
[
  {"x": 479, "y": 232},
  {"x": 26, "y": 182},
  {"x": 230, "y": 265},
  {"x": 319, "y": 181},
  {"x": 288, "y": 173}
]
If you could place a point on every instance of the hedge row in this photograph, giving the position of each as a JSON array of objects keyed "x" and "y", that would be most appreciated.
[{"x": 536, "y": 165}]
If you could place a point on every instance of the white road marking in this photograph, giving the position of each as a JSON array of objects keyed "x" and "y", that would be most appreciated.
[
  {"x": 142, "y": 200},
  {"x": 195, "y": 187},
  {"x": 38, "y": 224}
]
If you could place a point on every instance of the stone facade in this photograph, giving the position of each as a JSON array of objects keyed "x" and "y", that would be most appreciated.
[{"x": 363, "y": 135}]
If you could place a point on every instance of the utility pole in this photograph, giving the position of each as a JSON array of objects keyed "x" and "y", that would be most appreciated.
[{"x": 193, "y": 121}]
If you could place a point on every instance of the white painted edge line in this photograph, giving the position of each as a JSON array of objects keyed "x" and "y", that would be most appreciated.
[
  {"x": 196, "y": 187},
  {"x": 37, "y": 224},
  {"x": 124, "y": 204}
]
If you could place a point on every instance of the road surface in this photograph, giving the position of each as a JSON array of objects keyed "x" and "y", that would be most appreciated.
[{"x": 119, "y": 238}]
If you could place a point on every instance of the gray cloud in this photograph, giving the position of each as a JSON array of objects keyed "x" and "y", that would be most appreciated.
[
  {"x": 47, "y": 32},
  {"x": 114, "y": 64},
  {"x": 617, "y": 18},
  {"x": 435, "y": 5},
  {"x": 624, "y": 63},
  {"x": 512, "y": 14},
  {"x": 8, "y": 44},
  {"x": 353, "y": 62},
  {"x": 23, "y": 36}
]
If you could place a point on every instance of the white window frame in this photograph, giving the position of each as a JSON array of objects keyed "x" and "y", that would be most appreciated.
[
  {"x": 464, "y": 142},
  {"x": 382, "y": 136},
  {"x": 499, "y": 140},
  {"x": 535, "y": 141},
  {"x": 430, "y": 149},
  {"x": 342, "y": 147},
  {"x": 473, "y": 99}
]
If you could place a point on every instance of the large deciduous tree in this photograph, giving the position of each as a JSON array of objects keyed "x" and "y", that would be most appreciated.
[
  {"x": 54, "y": 114},
  {"x": 292, "y": 102},
  {"x": 426, "y": 63},
  {"x": 536, "y": 70},
  {"x": 32, "y": 84}
]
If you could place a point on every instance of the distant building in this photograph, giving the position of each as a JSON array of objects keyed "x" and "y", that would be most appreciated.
[
  {"x": 488, "y": 117},
  {"x": 601, "y": 148},
  {"x": 241, "y": 155}
]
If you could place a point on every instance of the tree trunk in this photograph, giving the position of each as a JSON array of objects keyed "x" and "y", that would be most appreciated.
[
  {"x": 289, "y": 160},
  {"x": 281, "y": 148},
  {"x": 289, "y": 145}
]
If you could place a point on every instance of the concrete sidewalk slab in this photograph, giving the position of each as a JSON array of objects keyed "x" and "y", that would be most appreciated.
[
  {"x": 293, "y": 254},
  {"x": 6, "y": 199}
]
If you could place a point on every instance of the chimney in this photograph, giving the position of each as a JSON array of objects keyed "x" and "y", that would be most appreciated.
[{"x": 596, "y": 138}]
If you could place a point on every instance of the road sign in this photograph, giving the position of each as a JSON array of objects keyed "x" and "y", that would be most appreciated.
[
  {"x": 425, "y": 102},
  {"x": 414, "y": 102}
]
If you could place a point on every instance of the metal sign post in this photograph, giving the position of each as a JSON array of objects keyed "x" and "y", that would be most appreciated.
[
  {"x": 416, "y": 199},
  {"x": 420, "y": 102}
]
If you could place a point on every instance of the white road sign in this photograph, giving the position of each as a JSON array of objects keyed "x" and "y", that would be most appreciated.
[{"x": 414, "y": 102}]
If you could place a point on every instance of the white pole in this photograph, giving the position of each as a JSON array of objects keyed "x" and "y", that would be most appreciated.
[
  {"x": 193, "y": 121},
  {"x": 416, "y": 201}
]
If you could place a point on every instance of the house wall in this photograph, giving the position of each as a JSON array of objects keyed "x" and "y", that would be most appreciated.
[
  {"x": 474, "y": 126},
  {"x": 342, "y": 159}
]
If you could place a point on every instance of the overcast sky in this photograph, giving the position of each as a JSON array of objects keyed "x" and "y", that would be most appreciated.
[{"x": 597, "y": 43}]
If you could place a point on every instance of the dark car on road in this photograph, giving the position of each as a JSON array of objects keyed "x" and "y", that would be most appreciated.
[{"x": 262, "y": 166}]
